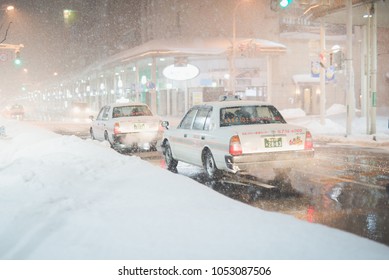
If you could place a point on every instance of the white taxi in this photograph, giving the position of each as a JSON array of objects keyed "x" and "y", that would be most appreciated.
[
  {"x": 127, "y": 126},
  {"x": 235, "y": 137}
]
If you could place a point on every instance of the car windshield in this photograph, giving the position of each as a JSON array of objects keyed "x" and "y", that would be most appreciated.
[
  {"x": 246, "y": 115},
  {"x": 131, "y": 111}
]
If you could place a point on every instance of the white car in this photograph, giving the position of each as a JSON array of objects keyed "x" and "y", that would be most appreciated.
[
  {"x": 127, "y": 126},
  {"x": 235, "y": 137}
]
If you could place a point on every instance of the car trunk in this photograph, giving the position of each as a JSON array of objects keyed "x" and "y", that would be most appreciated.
[
  {"x": 271, "y": 138},
  {"x": 138, "y": 124}
]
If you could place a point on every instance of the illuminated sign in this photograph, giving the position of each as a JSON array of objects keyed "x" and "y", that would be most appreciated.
[{"x": 181, "y": 73}]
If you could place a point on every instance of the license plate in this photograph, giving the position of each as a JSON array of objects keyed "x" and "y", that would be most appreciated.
[
  {"x": 139, "y": 125},
  {"x": 273, "y": 142}
]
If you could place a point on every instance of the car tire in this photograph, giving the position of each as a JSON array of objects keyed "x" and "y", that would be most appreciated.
[
  {"x": 106, "y": 138},
  {"x": 153, "y": 146},
  {"x": 210, "y": 166},
  {"x": 92, "y": 134},
  {"x": 171, "y": 163}
]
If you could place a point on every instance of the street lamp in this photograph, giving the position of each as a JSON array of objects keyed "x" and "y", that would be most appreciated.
[
  {"x": 4, "y": 9},
  {"x": 232, "y": 62}
]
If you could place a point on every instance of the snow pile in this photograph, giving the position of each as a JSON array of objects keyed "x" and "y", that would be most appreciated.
[
  {"x": 293, "y": 113},
  {"x": 334, "y": 127},
  {"x": 67, "y": 198},
  {"x": 336, "y": 109}
]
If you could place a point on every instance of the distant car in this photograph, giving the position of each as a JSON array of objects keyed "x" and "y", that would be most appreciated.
[
  {"x": 16, "y": 112},
  {"x": 127, "y": 126},
  {"x": 235, "y": 137},
  {"x": 79, "y": 111}
]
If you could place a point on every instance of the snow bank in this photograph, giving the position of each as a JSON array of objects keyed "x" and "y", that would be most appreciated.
[
  {"x": 336, "y": 109},
  {"x": 292, "y": 113},
  {"x": 67, "y": 198}
]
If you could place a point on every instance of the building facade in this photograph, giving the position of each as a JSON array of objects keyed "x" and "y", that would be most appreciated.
[{"x": 276, "y": 56}]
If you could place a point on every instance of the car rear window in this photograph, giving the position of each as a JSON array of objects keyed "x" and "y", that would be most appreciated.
[
  {"x": 246, "y": 115},
  {"x": 131, "y": 111}
]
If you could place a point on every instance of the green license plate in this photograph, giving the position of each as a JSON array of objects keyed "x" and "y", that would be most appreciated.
[
  {"x": 273, "y": 142},
  {"x": 139, "y": 126}
]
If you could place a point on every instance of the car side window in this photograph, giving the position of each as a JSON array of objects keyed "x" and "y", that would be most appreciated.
[
  {"x": 100, "y": 115},
  {"x": 208, "y": 120},
  {"x": 105, "y": 114},
  {"x": 201, "y": 121},
  {"x": 187, "y": 121}
]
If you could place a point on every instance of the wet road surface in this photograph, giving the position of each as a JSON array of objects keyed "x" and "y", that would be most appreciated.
[{"x": 345, "y": 187}]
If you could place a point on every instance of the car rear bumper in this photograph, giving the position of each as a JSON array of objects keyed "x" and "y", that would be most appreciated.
[
  {"x": 287, "y": 159},
  {"x": 137, "y": 139}
]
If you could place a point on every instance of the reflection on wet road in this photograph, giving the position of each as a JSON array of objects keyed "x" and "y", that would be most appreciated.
[{"x": 346, "y": 187}]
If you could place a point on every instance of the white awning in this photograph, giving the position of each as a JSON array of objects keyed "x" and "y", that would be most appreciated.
[
  {"x": 305, "y": 79},
  {"x": 191, "y": 47}
]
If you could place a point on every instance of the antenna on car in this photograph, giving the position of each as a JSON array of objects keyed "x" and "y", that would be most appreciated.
[{"x": 229, "y": 98}]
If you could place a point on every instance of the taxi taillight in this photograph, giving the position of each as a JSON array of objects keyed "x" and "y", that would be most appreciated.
[
  {"x": 160, "y": 127},
  {"x": 235, "y": 146},
  {"x": 116, "y": 128},
  {"x": 308, "y": 141}
]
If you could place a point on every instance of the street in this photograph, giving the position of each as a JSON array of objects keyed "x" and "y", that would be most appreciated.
[{"x": 346, "y": 186}]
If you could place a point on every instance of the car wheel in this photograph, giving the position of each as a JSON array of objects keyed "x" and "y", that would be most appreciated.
[
  {"x": 171, "y": 163},
  {"x": 107, "y": 138},
  {"x": 92, "y": 134},
  {"x": 153, "y": 146},
  {"x": 210, "y": 166}
]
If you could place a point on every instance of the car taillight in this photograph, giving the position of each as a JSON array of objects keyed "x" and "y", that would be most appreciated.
[
  {"x": 308, "y": 141},
  {"x": 116, "y": 128},
  {"x": 235, "y": 146},
  {"x": 160, "y": 127}
]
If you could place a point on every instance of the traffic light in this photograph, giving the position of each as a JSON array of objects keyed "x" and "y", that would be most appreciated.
[
  {"x": 285, "y": 3},
  {"x": 17, "y": 59}
]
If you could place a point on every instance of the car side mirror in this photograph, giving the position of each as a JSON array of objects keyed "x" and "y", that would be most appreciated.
[{"x": 165, "y": 124}]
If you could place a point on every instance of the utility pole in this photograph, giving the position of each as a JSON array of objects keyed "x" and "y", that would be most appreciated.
[
  {"x": 153, "y": 90},
  {"x": 350, "y": 100},
  {"x": 373, "y": 74},
  {"x": 322, "y": 74}
]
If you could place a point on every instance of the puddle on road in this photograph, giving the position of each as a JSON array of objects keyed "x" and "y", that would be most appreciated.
[{"x": 361, "y": 210}]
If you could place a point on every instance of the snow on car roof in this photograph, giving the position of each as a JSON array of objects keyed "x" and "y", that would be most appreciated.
[
  {"x": 127, "y": 104},
  {"x": 222, "y": 104}
]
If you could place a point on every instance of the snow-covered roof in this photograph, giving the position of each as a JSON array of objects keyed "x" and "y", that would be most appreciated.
[
  {"x": 190, "y": 46},
  {"x": 305, "y": 78}
]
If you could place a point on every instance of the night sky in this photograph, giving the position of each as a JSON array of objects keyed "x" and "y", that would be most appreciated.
[{"x": 52, "y": 44}]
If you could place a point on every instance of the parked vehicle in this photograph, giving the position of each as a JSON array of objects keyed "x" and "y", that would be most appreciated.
[
  {"x": 127, "y": 126},
  {"x": 79, "y": 112},
  {"x": 237, "y": 137},
  {"x": 17, "y": 112}
]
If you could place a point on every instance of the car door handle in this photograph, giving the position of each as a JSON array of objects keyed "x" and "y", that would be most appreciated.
[{"x": 202, "y": 137}]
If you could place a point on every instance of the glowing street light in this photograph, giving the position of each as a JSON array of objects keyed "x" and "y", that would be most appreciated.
[{"x": 285, "y": 3}]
